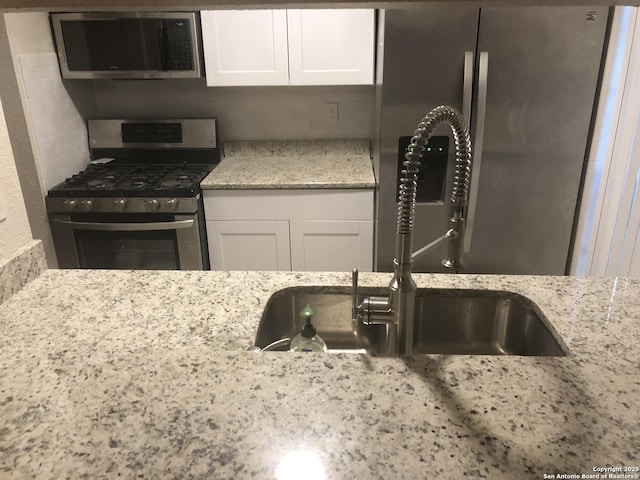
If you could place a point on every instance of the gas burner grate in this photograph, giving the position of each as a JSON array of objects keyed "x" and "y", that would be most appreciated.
[{"x": 121, "y": 178}]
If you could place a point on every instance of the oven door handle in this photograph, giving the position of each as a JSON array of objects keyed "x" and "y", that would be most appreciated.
[{"x": 128, "y": 227}]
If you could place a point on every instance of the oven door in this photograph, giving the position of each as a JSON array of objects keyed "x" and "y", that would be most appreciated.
[{"x": 129, "y": 241}]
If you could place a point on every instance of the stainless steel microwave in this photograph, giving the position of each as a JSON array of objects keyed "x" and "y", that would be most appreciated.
[{"x": 128, "y": 45}]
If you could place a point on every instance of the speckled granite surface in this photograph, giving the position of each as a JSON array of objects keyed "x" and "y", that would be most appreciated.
[
  {"x": 297, "y": 164},
  {"x": 20, "y": 268},
  {"x": 108, "y": 374}
]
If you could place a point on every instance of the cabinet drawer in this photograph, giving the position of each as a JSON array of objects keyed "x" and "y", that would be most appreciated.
[{"x": 330, "y": 204}]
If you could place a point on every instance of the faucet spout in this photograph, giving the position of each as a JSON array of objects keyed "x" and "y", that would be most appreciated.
[{"x": 402, "y": 288}]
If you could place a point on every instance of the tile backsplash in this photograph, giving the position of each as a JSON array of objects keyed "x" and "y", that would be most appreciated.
[
  {"x": 245, "y": 113},
  {"x": 60, "y": 132}
]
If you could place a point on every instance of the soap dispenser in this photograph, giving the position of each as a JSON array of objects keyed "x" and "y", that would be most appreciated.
[{"x": 308, "y": 340}]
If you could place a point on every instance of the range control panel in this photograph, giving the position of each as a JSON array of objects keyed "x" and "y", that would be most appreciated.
[{"x": 151, "y": 133}]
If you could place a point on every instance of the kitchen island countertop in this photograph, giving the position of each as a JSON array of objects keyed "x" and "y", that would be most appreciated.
[
  {"x": 293, "y": 165},
  {"x": 145, "y": 374}
]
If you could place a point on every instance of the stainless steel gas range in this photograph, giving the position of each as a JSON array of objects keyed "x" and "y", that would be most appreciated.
[{"x": 142, "y": 208}]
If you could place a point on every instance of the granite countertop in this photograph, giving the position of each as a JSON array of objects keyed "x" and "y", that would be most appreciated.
[
  {"x": 293, "y": 165},
  {"x": 144, "y": 374}
]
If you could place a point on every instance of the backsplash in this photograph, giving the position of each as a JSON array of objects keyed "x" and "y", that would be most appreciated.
[
  {"x": 60, "y": 131},
  {"x": 244, "y": 113},
  {"x": 298, "y": 148}
]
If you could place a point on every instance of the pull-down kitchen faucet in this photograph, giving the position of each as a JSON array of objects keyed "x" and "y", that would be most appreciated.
[{"x": 397, "y": 310}]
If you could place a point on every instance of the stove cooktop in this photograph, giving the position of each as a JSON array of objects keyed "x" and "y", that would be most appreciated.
[{"x": 125, "y": 179}]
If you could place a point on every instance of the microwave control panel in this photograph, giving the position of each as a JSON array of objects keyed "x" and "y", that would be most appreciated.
[{"x": 179, "y": 44}]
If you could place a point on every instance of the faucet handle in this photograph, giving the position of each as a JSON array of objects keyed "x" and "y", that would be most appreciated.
[
  {"x": 354, "y": 294},
  {"x": 372, "y": 310}
]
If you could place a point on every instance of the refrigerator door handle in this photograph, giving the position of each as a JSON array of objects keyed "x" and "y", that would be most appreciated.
[
  {"x": 467, "y": 89},
  {"x": 481, "y": 108}
]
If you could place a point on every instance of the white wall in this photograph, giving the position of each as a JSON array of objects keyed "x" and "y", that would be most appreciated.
[
  {"x": 25, "y": 33},
  {"x": 14, "y": 224},
  {"x": 47, "y": 132},
  {"x": 57, "y": 130}
]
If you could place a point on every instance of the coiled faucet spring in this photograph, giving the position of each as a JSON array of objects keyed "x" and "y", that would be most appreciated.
[{"x": 462, "y": 169}]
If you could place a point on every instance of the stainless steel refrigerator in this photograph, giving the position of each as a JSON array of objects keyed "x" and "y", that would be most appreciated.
[{"x": 527, "y": 80}]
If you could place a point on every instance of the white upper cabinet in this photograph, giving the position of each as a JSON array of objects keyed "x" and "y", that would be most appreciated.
[
  {"x": 245, "y": 47},
  {"x": 289, "y": 47},
  {"x": 331, "y": 47}
]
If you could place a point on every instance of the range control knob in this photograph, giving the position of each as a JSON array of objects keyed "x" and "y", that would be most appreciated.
[
  {"x": 120, "y": 205},
  {"x": 172, "y": 204},
  {"x": 86, "y": 205},
  {"x": 153, "y": 204},
  {"x": 69, "y": 205}
]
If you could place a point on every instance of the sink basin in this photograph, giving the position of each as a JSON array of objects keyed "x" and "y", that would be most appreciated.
[{"x": 447, "y": 321}]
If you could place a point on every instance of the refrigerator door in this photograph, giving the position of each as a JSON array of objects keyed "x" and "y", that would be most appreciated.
[
  {"x": 423, "y": 67},
  {"x": 543, "y": 68}
]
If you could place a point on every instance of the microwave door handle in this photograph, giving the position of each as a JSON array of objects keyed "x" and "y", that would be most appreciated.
[
  {"x": 128, "y": 227},
  {"x": 162, "y": 44}
]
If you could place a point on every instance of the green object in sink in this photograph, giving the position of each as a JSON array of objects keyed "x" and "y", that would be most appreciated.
[{"x": 308, "y": 340}]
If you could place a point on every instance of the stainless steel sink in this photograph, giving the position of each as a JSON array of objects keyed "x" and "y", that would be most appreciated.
[{"x": 447, "y": 321}]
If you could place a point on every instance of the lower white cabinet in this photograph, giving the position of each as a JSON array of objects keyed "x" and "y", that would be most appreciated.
[
  {"x": 331, "y": 245},
  {"x": 301, "y": 230},
  {"x": 249, "y": 245}
]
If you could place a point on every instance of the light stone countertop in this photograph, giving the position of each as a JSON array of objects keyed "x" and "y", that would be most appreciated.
[
  {"x": 145, "y": 374},
  {"x": 20, "y": 268},
  {"x": 293, "y": 165}
]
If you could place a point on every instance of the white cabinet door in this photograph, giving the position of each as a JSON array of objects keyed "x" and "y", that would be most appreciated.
[
  {"x": 336, "y": 246},
  {"x": 245, "y": 47},
  {"x": 331, "y": 47},
  {"x": 316, "y": 229},
  {"x": 249, "y": 245}
]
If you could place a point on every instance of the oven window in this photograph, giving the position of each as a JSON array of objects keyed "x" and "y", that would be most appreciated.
[{"x": 156, "y": 250}]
